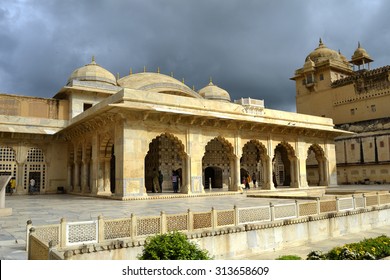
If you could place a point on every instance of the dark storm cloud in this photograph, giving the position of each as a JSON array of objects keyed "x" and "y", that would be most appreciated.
[{"x": 249, "y": 48}]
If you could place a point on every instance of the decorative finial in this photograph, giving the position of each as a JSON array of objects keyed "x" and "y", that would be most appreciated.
[
  {"x": 131, "y": 71},
  {"x": 172, "y": 74},
  {"x": 358, "y": 44},
  {"x": 117, "y": 76},
  {"x": 182, "y": 81},
  {"x": 321, "y": 44},
  {"x": 193, "y": 87},
  {"x": 93, "y": 59},
  {"x": 144, "y": 69},
  {"x": 158, "y": 70}
]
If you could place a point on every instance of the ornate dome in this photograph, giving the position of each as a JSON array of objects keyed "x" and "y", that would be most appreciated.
[
  {"x": 93, "y": 72},
  {"x": 157, "y": 82},
  {"x": 360, "y": 56},
  {"x": 323, "y": 53},
  {"x": 214, "y": 92}
]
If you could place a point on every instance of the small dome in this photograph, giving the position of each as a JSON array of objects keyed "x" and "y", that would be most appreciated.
[
  {"x": 93, "y": 72},
  {"x": 360, "y": 56},
  {"x": 323, "y": 53},
  {"x": 157, "y": 82},
  {"x": 214, "y": 92}
]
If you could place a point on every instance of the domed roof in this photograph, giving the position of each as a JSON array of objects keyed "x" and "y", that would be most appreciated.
[
  {"x": 214, "y": 92},
  {"x": 359, "y": 55},
  {"x": 323, "y": 53},
  {"x": 156, "y": 82},
  {"x": 93, "y": 72}
]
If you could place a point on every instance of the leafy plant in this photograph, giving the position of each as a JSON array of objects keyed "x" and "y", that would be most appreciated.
[
  {"x": 316, "y": 255},
  {"x": 367, "y": 249},
  {"x": 172, "y": 246}
]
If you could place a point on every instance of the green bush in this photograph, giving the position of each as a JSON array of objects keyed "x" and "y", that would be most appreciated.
[
  {"x": 368, "y": 249},
  {"x": 316, "y": 255},
  {"x": 172, "y": 246},
  {"x": 289, "y": 257}
]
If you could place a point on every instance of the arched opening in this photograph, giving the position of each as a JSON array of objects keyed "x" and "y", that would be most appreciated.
[
  {"x": 164, "y": 160},
  {"x": 315, "y": 166},
  {"x": 217, "y": 163},
  {"x": 284, "y": 166},
  {"x": 106, "y": 172},
  {"x": 213, "y": 175},
  {"x": 254, "y": 163},
  {"x": 35, "y": 171}
]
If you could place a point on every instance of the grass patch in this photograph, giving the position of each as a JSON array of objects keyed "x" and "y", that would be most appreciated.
[{"x": 289, "y": 257}]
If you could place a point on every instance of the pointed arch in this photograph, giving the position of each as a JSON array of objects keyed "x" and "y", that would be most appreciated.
[
  {"x": 218, "y": 161},
  {"x": 254, "y": 162},
  {"x": 167, "y": 155},
  {"x": 284, "y": 165},
  {"x": 316, "y": 163}
]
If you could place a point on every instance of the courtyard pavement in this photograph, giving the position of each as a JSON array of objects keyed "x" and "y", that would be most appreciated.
[{"x": 49, "y": 209}]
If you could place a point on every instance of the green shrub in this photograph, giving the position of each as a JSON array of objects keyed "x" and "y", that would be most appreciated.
[
  {"x": 172, "y": 246},
  {"x": 289, "y": 257},
  {"x": 368, "y": 249},
  {"x": 316, "y": 255}
]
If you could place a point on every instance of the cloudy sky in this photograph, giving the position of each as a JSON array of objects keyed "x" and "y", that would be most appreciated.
[{"x": 250, "y": 48}]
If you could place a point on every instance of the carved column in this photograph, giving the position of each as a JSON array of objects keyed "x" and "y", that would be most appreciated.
[
  {"x": 84, "y": 176},
  {"x": 187, "y": 175},
  {"x": 294, "y": 172},
  {"x": 267, "y": 173},
  {"x": 19, "y": 178},
  {"x": 268, "y": 166},
  {"x": 94, "y": 169},
  {"x": 236, "y": 174},
  {"x": 76, "y": 176}
]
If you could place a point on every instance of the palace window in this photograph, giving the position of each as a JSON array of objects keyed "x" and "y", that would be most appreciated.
[
  {"x": 373, "y": 108},
  {"x": 321, "y": 77},
  {"x": 309, "y": 79}
]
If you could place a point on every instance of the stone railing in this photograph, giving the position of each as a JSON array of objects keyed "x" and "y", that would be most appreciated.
[{"x": 41, "y": 239}]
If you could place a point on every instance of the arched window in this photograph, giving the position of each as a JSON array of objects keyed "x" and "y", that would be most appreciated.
[{"x": 35, "y": 168}]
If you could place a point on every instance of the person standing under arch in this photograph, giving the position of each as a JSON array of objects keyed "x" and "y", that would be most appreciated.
[
  {"x": 175, "y": 181},
  {"x": 160, "y": 180},
  {"x": 32, "y": 186},
  {"x": 156, "y": 185}
]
